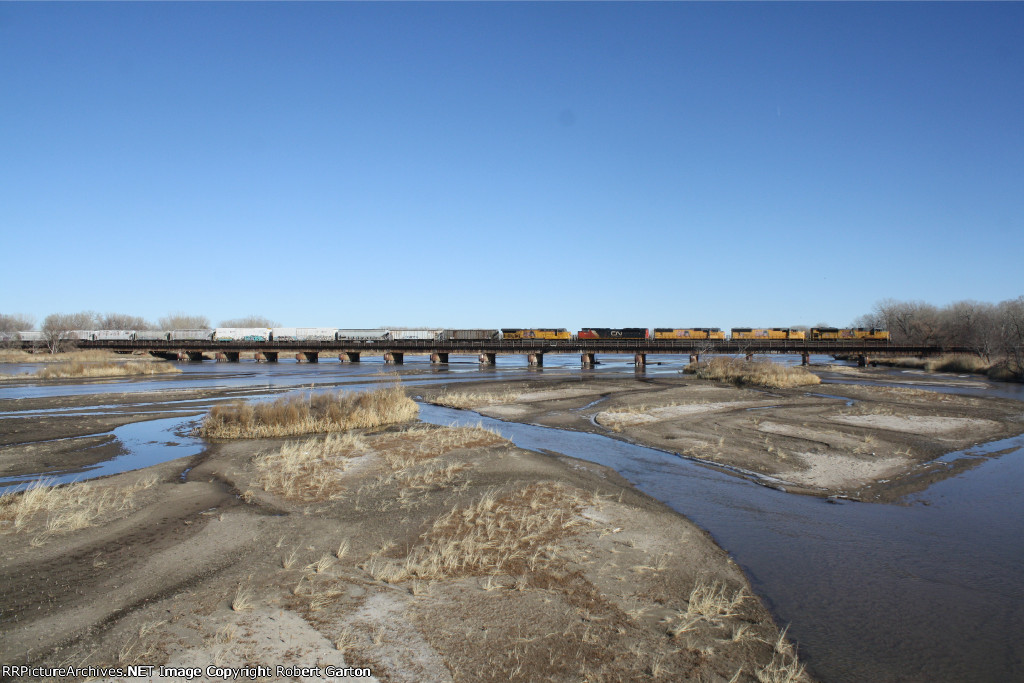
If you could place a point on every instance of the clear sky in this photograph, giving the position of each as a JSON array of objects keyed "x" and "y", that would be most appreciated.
[{"x": 510, "y": 164}]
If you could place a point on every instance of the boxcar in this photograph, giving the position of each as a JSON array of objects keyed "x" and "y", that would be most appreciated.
[
  {"x": 689, "y": 333},
  {"x": 536, "y": 333},
  {"x": 613, "y": 333},
  {"x": 239, "y": 334},
  {"x": 31, "y": 335},
  {"x": 152, "y": 335}
]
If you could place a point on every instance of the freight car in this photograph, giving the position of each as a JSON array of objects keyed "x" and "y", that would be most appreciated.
[
  {"x": 303, "y": 334},
  {"x": 239, "y": 334},
  {"x": 689, "y": 333},
  {"x": 536, "y": 333},
  {"x": 365, "y": 336},
  {"x": 469, "y": 335},
  {"x": 418, "y": 335},
  {"x": 613, "y": 333}
]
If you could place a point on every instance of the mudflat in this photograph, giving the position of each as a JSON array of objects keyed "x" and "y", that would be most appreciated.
[
  {"x": 870, "y": 443},
  {"x": 414, "y": 552}
]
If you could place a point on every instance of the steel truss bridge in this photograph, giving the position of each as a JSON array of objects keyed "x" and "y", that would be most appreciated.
[{"x": 394, "y": 350}]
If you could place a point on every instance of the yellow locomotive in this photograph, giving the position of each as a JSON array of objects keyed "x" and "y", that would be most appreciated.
[
  {"x": 763, "y": 333},
  {"x": 689, "y": 333},
  {"x": 850, "y": 334}
]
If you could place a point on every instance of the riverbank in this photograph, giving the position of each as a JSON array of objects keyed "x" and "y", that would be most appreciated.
[
  {"x": 869, "y": 443},
  {"x": 418, "y": 552}
]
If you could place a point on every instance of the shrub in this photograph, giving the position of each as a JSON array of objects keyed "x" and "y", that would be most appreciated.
[
  {"x": 309, "y": 414},
  {"x": 757, "y": 373}
]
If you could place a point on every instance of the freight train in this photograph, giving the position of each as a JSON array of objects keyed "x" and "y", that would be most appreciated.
[{"x": 377, "y": 335}]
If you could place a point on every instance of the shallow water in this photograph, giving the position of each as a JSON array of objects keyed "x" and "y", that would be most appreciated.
[
  {"x": 928, "y": 591},
  {"x": 931, "y": 590}
]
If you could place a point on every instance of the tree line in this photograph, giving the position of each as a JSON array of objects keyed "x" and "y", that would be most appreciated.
[{"x": 994, "y": 331}]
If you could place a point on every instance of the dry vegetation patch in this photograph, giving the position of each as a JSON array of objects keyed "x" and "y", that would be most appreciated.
[
  {"x": 308, "y": 470},
  {"x": 470, "y": 399},
  {"x": 498, "y": 534},
  {"x": 59, "y": 509},
  {"x": 309, "y": 414},
  {"x": 754, "y": 373},
  {"x": 83, "y": 369},
  {"x": 87, "y": 356}
]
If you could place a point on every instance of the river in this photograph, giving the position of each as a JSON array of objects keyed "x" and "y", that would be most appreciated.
[{"x": 930, "y": 589}]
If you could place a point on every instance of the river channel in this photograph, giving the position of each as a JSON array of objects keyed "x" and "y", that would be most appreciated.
[{"x": 930, "y": 589}]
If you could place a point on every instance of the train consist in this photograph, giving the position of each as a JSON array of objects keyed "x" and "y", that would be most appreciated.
[{"x": 377, "y": 335}]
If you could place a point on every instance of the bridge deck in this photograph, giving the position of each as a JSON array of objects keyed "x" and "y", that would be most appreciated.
[{"x": 532, "y": 346}]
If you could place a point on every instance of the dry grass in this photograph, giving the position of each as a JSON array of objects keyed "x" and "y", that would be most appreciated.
[
  {"x": 466, "y": 399},
  {"x": 710, "y": 603},
  {"x": 309, "y": 414},
  {"x": 957, "y": 362},
  {"x": 84, "y": 369},
  {"x": 64, "y": 508},
  {"x": 308, "y": 470},
  {"x": 408, "y": 447},
  {"x": 784, "y": 666},
  {"x": 756, "y": 373},
  {"x": 513, "y": 534},
  {"x": 90, "y": 356}
]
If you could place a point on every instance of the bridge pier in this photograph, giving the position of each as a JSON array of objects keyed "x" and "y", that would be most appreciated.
[
  {"x": 349, "y": 356},
  {"x": 535, "y": 359},
  {"x": 862, "y": 360},
  {"x": 194, "y": 356},
  {"x": 694, "y": 358},
  {"x": 749, "y": 357},
  {"x": 805, "y": 358},
  {"x": 488, "y": 358},
  {"x": 588, "y": 359},
  {"x": 229, "y": 356},
  {"x": 438, "y": 357},
  {"x": 396, "y": 357},
  {"x": 640, "y": 359},
  {"x": 312, "y": 356}
]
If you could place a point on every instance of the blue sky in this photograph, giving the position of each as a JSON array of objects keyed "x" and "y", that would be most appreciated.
[{"x": 510, "y": 164}]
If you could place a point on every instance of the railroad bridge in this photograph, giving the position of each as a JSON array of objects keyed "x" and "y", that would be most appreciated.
[{"x": 394, "y": 351}]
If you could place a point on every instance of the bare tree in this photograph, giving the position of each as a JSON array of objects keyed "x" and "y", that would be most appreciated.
[
  {"x": 250, "y": 321},
  {"x": 1011, "y": 333},
  {"x": 57, "y": 328},
  {"x": 12, "y": 323},
  {"x": 122, "y": 321},
  {"x": 184, "y": 321}
]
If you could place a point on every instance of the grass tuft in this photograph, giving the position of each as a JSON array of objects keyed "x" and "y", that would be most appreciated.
[
  {"x": 513, "y": 533},
  {"x": 309, "y": 414},
  {"x": 308, "y": 470},
  {"x": 755, "y": 373},
  {"x": 469, "y": 399},
  {"x": 66, "y": 508}
]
